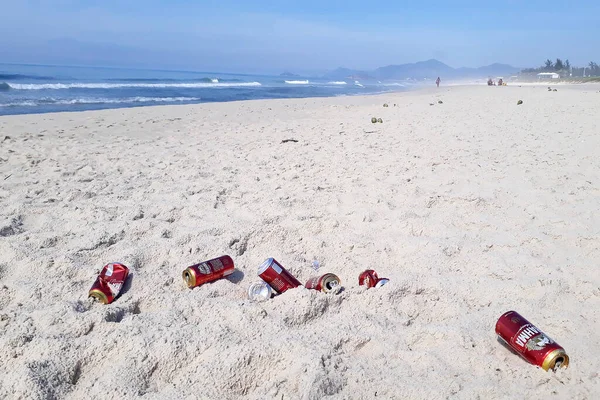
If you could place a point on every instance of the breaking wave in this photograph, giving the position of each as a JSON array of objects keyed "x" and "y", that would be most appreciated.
[
  {"x": 52, "y": 101},
  {"x": 338, "y": 83},
  {"x": 297, "y": 82},
  {"x": 58, "y": 86}
]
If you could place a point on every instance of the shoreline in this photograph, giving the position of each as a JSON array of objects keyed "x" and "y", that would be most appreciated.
[
  {"x": 471, "y": 207},
  {"x": 406, "y": 89},
  {"x": 413, "y": 89}
]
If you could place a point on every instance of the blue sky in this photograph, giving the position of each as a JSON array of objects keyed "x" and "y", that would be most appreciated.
[{"x": 301, "y": 36}]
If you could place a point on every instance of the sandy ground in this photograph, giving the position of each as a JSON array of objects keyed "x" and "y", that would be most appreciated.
[{"x": 471, "y": 208}]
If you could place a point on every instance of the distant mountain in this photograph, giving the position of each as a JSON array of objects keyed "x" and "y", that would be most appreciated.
[
  {"x": 429, "y": 69},
  {"x": 288, "y": 74},
  {"x": 499, "y": 69},
  {"x": 346, "y": 73},
  {"x": 418, "y": 70}
]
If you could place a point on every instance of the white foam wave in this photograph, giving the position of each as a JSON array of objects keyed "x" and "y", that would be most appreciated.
[
  {"x": 20, "y": 104},
  {"x": 338, "y": 83},
  {"x": 57, "y": 86},
  {"x": 52, "y": 101},
  {"x": 214, "y": 80},
  {"x": 297, "y": 82},
  {"x": 357, "y": 83}
]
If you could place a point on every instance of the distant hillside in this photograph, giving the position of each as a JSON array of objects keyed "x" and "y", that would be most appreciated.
[
  {"x": 429, "y": 69},
  {"x": 346, "y": 73},
  {"x": 419, "y": 70},
  {"x": 288, "y": 74}
]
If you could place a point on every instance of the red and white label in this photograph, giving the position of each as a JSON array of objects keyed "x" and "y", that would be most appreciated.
[
  {"x": 525, "y": 333},
  {"x": 217, "y": 265},
  {"x": 204, "y": 268}
]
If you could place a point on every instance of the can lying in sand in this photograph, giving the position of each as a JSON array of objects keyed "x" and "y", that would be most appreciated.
[
  {"x": 260, "y": 291},
  {"x": 370, "y": 279},
  {"x": 328, "y": 283},
  {"x": 109, "y": 283},
  {"x": 276, "y": 276},
  {"x": 530, "y": 343},
  {"x": 208, "y": 271}
]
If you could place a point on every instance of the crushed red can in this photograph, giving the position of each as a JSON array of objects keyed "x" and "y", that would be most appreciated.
[
  {"x": 530, "y": 342},
  {"x": 370, "y": 279},
  {"x": 208, "y": 271},
  {"x": 276, "y": 276},
  {"x": 328, "y": 283},
  {"x": 109, "y": 283}
]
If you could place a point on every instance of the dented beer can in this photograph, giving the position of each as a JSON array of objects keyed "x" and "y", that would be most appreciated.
[
  {"x": 208, "y": 271},
  {"x": 276, "y": 276},
  {"x": 328, "y": 283},
  {"x": 530, "y": 342},
  {"x": 109, "y": 283},
  {"x": 260, "y": 291},
  {"x": 370, "y": 279}
]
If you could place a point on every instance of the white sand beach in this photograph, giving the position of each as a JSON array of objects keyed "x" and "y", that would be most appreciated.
[{"x": 471, "y": 208}]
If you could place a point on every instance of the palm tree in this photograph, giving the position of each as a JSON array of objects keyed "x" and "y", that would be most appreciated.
[{"x": 558, "y": 65}]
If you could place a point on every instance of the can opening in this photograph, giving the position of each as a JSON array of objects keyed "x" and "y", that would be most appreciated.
[
  {"x": 188, "y": 278},
  {"x": 331, "y": 284},
  {"x": 558, "y": 363},
  {"x": 99, "y": 296}
]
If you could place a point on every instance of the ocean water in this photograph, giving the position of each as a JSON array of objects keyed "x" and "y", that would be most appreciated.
[{"x": 27, "y": 89}]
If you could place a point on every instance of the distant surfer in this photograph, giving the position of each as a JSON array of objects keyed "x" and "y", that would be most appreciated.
[{"x": 437, "y": 81}]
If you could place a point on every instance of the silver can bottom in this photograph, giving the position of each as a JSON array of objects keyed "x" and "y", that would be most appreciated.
[
  {"x": 260, "y": 291},
  {"x": 382, "y": 282}
]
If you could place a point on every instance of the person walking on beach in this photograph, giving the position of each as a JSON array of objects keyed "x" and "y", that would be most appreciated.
[{"x": 437, "y": 81}]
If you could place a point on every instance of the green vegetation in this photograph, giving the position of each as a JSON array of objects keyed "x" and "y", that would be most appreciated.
[
  {"x": 579, "y": 79},
  {"x": 565, "y": 69}
]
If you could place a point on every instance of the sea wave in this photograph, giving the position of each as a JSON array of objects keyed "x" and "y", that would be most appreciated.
[
  {"x": 130, "y": 100},
  {"x": 15, "y": 77},
  {"x": 169, "y": 80},
  {"x": 28, "y": 103},
  {"x": 337, "y": 83},
  {"x": 59, "y": 86},
  {"x": 306, "y": 82}
]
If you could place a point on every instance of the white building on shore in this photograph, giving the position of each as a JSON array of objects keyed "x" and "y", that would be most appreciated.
[{"x": 548, "y": 75}]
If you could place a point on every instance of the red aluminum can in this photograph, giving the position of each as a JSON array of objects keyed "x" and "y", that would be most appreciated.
[
  {"x": 370, "y": 279},
  {"x": 208, "y": 271},
  {"x": 325, "y": 283},
  {"x": 109, "y": 283},
  {"x": 276, "y": 276},
  {"x": 530, "y": 342}
]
